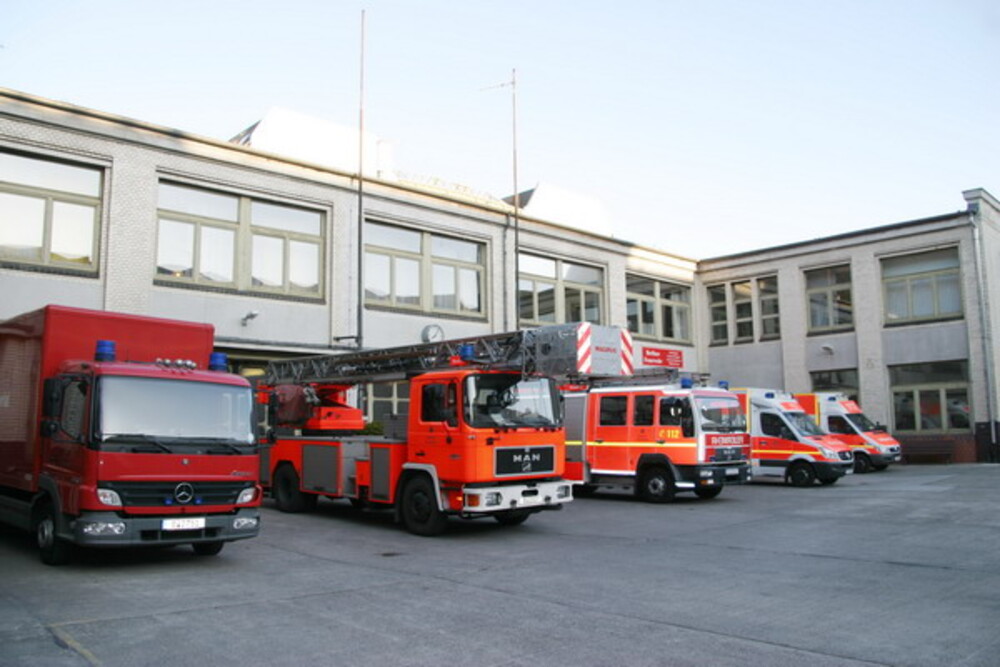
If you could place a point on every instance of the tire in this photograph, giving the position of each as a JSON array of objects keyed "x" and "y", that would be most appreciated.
[
  {"x": 287, "y": 495},
  {"x": 52, "y": 549},
  {"x": 512, "y": 517},
  {"x": 800, "y": 473},
  {"x": 420, "y": 512},
  {"x": 862, "y": 464},
  {"x": 656, "y": 484},
  {"x": 708, "y": 492},
  {"x": 208, "y": 548}
]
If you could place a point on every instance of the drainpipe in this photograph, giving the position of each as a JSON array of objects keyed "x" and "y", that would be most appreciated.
[{"x": 984, "y": 316}]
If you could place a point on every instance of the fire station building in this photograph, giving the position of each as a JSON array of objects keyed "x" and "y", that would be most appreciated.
[{"x": 290, "y": 255}]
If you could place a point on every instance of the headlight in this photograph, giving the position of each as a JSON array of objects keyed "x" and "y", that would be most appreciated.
[
  {"x": 247, "y": 496},
  {"x": 829, "y": 453},
  {"x": 109, "y": 497},
  {"x": 244, "y": 523},
  {"x": 104, "y": 527}
]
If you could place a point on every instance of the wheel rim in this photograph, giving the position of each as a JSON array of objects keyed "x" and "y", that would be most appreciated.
[
  {"x": 46, "y": 533},
  {"x": 656, "y": 486}
]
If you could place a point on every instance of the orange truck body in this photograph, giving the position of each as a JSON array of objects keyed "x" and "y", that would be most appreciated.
[
  {"x": 874, "y": 448},
  {"x": 481, "y": 439},
  {"x": 105, "y": 444},
  {"x": 786, "y": 442},
  {"x": 656, "y": 439}
]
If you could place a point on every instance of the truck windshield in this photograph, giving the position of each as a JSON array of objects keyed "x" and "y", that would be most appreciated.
[
  {"x": 171, "y": 414},
  {"x": 510, "y": 400},
  {"x": 803, "y": 423},
  {"x": 862, "y": 423},
  {"x": 720, "y": 414}
]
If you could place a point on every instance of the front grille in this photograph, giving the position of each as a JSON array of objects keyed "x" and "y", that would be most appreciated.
[{"x": 164, "y": 494}]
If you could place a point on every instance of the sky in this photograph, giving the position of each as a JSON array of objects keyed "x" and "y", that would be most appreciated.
[{"x": 703, "y": 128}]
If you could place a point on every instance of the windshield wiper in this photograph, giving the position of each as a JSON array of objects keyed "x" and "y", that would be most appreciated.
[
  {"x": 225, "y": 444},
  {"x": 143, "y": 438}
]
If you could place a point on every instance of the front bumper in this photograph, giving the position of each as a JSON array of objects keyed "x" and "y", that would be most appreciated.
[
  {"x": 885, "y": 459},
  {"x": 694, "y": 477},
  {"x": 826, "y": 470},
  {"x": 528, "y": 496},
  {"x": 110, "y": 529}
]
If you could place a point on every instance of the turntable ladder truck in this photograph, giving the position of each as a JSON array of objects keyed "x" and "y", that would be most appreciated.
[{"x": 483, "y": 436}]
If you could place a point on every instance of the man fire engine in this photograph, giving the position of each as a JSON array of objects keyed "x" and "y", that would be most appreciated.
[
  {"x": 874, "y": 448},
  {"x": 658, "y": 437},
  {"x": 119, "y": 430},
  {"x": 483, "y": 436},
  {"x": 785, "y": 442}
]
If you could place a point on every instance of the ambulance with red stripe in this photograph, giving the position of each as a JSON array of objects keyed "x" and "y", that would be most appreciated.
[
  {"x": 787, "y": 443},
  {"x": 653, "y": 435},
  {"x": 874, "y": 448}
]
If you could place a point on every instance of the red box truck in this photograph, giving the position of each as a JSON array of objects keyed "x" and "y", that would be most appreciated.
[{"x": 120, "y": 430}]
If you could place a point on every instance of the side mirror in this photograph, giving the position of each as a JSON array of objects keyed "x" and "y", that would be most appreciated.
[{"x": 52, "y": 397}]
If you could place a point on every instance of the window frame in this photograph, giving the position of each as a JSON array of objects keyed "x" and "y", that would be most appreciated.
[
  {"x": 908, "y": 280},
  {"x": 427, "y": 263},
  {"x": 829, "y": 291},
  {"x": 562, "y": 288},
  {"x": 51, "y": 197},
  {"x": 941, "y": 388},
  {"x": 659, "y": 304},
  {"x": 244, "y": 230}
]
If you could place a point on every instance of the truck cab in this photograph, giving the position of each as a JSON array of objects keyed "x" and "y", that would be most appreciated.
[
  {"x": 657, "y": 439},
  {"x": 787, "y": 443},
  {"x": 874, "y": 448}
]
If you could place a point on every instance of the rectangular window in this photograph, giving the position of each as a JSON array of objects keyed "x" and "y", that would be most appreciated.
[
  {"x": 554, "y": 291},
  {"x": 844, "y": 381},
  {"x": 657, "y": 309},
  {"x": 49, "y": 212},
  {"x": 931, "y": 397},
  {"x": 743, "y": 311},
  {"x": 922, "y": 287},
  {"x": 828, "y": 292},
  {"x": 767, "y": 298},
  {"x": 201, "y": 233},
  {"x": 614, "y": 410},
  {"x": 407, "y": 268},
  {"x": 386, "y": 399},
  {"x": 718, "y": 314}
]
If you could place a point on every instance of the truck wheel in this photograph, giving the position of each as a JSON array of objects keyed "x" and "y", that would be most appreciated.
[
  {"x": 708, "y": 492},
  {"x": 52, "y": 549},
  {"x": 207, "y": 548},
  {"x": 512, "y": 517},
  {"x": 287, "y": 495},
  {"x": 656, "y": 485},
  {"x": 421, "y": 515},
  {"x": 800, "y": 473},
  {"x": 862, "y": 464}
]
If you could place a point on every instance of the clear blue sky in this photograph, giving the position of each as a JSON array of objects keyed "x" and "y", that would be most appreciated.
[{"x": 706, "y": 128}]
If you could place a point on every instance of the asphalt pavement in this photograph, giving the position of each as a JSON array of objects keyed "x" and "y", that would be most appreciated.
[{"x": 891, "y": 568}]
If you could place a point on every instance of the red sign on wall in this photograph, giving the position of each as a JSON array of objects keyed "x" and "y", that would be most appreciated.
[{"x": 652, "y": 356}]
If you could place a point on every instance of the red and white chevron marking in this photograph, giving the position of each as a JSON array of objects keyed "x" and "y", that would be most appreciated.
[{"x": 628, "y": 365}]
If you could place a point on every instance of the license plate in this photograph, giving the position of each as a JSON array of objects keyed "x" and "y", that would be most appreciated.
[
  {"x": 187, "y": 523},
  {"x": 732, "y": 472}
]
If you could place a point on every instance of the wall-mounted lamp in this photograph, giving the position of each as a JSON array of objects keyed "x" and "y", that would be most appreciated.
[
  {"x": 249, "y": 316},
  {"x": 827, "y": 348}
]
